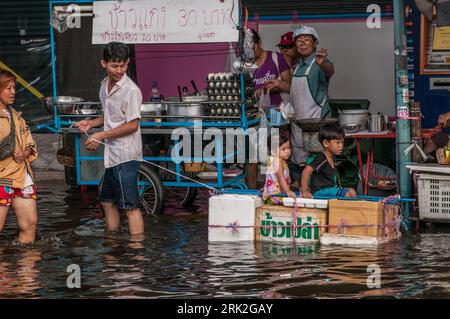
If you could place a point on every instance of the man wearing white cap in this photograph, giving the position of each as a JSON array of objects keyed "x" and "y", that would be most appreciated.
[{"x": 309, "y": 87}]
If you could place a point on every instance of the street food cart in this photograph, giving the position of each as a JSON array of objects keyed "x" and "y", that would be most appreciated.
[{"x": 228, "y": 103}]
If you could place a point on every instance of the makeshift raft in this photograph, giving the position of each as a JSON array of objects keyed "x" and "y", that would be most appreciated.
[{"x": 234, "y": 217}]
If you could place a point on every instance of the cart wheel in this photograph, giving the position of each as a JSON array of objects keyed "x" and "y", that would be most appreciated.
[
  {"x": 150, "y": 190},
  {"x": 187, "y": 194},
  {"x": 190, "y": 196}
]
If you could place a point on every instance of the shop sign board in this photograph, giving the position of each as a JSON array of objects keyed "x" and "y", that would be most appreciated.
[{"x": 165, "y": 21}]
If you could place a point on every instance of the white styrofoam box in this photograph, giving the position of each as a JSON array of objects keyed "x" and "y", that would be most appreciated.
[
  {"x": 351, "y": 240},
  {"x": 232, "y": 209},
  {"x": 306, "y": 202}
]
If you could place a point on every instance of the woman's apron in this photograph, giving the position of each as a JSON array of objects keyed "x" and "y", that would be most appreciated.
[{"x": 305, "y": 108}]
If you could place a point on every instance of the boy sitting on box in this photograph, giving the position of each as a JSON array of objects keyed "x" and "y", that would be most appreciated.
[{"x": 319, "y": 177}]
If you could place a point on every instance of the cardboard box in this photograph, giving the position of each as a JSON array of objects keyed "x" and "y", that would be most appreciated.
[
  {"x": 231, "y": 217},
  {"x": 358, "y": 215},
  {"x": 275, "y": 223}
]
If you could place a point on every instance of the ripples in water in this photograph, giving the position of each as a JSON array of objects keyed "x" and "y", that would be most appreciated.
[{"x": 175, "y": 259}]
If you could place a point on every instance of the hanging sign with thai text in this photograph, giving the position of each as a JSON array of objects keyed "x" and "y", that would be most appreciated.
[{"x": 165, "y": 21}]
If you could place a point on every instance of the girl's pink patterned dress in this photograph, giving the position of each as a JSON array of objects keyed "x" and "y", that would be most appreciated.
[{"x": 272, "y": 186}]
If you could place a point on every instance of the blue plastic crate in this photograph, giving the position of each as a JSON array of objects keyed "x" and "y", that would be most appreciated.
[{"x": 276, "y": 118}]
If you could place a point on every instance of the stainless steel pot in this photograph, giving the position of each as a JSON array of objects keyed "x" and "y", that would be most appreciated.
[
  {"x": 190, "y": 109},
  {"x": 377, "y": 123},
  {"x": 351, "y": 128},
  {"x": 351, "y": 117}
]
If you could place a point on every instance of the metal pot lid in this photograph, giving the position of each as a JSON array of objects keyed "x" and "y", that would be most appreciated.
[
  {"x": 354, "y": 111},
  {"x": 195, "y": 98},
  {"x": 153, "y": 106}
]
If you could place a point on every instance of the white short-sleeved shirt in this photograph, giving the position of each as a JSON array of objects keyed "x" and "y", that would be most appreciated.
[{"x": 121, "y": 105}]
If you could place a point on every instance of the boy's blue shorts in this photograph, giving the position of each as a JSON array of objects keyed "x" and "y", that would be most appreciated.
[
  {"x": 119, "y": 185},
  {"x": 334, "y": 192}
]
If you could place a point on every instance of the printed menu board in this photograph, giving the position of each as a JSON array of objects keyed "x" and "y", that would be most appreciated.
[{"x": 441, "y": 38}]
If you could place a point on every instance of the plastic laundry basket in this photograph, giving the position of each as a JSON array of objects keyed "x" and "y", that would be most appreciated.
[
  {"x": 276, "y": 117},
  {"x": 434, "y": 197}
]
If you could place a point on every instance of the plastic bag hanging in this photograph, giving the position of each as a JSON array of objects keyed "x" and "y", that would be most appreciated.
[
  {"x": 264, "y": 102},
  {"x": 249, "y": 54}
]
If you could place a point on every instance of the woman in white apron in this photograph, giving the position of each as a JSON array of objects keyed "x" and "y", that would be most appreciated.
[{"x": 309, "y": 86}]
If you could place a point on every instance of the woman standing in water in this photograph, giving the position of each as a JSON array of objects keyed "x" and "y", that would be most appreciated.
[{"x": 17, "y": 150}]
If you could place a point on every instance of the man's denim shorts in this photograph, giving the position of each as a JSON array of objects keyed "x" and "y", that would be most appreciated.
[
  {"x": 333, "y": 192},
  {"x": 119, "y": 184}
]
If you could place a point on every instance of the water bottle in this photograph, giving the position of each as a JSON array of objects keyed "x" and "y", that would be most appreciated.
[{"x": 155, "y": 96}]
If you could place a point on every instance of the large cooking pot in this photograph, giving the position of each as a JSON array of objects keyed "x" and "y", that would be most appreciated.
[
  {"x": 64, "y": 104},
  {"x": 377, "y": 123},
  {"x": 349, "y": 118},
  {"x": 191, "y": 108}
]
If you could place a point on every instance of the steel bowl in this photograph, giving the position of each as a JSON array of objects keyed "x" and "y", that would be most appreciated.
[
  {"x": 64, "y": 104},
  {"x": 153, "y": 108},
  {"x": 351, "y": 128},
  {"x": 354, "y": 117}
]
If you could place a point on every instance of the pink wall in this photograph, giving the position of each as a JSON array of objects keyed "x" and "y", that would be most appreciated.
[{"x": 177, "y": 64}]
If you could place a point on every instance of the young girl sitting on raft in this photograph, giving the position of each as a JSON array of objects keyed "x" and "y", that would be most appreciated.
[{"x": 277, "y": 176}]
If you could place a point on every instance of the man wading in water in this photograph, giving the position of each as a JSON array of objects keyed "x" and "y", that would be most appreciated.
[{"x": 121, "y": 100}]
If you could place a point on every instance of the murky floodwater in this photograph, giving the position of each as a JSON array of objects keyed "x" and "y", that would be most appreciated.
[{"x": 176, "y": 261}]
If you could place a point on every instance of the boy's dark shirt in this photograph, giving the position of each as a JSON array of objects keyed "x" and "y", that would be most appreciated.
[{"x": 323, "y": 175}]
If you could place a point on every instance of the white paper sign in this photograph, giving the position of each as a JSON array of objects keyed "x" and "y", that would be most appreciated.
[{"x": 165, "y": 21}]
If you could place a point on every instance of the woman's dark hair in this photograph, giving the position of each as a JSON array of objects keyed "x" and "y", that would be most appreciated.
[
  {"x": 116, "y": 52},
  {"x": 5, "y": 78},
  {"x": 331, "y": 132},
  {"x": 256, "y": 37}
]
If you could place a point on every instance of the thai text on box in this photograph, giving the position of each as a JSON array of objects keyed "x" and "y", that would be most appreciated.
[{"x": 169, "y": 21}]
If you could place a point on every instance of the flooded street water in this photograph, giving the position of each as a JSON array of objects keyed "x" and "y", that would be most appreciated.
[{"x": 176, "y": 261}]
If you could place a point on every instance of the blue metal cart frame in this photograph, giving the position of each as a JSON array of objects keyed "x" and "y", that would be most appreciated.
[{"x": 61, "y": 124}]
